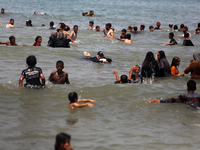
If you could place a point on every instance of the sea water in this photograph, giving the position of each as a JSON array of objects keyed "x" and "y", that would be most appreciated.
[{"x": 122, "y": 118}]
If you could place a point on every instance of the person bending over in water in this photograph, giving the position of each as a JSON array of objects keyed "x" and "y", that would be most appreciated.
[
  {"x": 174, "y": 70},
  {"x": 63, "y": 142},
  {"x": 123, "y": 79},
  {"x": 59, "y": 76},
  {"x": 98, "y": 59},
  {"x": 172, "y": 41},
  {"x": 38, "y": 41},
  {"x": 189, "y": 98},
  {"x": 11, "y": 24},
  {"x": 32, "y": 74},
  {"x": 73, "y": 98},
  {"x": 127, "y": 39},
  {"x": 11, "y": 43}
]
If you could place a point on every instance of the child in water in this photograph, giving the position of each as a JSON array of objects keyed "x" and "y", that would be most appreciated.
[
  {"x": 32, "y": 74},
  {"x": 175, "y": 63},
  {"x": 11, "y": 43},
  {"x": 38, "y": 41},
  {"x": 59, "y": 76},
  {"x": 63, "y": 142},
  {"x": 73, "y": 98},
  {"x": 172, "y": 41},
  {"x": 123, "y": 79}
]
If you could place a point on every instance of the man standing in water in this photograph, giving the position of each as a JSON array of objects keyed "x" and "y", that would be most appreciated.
[
  {"x": 11, "y": 24},
  {"x": 110, "y": 32}
]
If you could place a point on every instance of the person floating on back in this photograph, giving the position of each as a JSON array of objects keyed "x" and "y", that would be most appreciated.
[
  {"x": 32, "y": 74},
  {"x": 189, "y": 98},
  {"x": 99, "y": 58},
  {"x": 172, "y": 41},
  {"x": 59, "y": 76},
  {"x": 73, "y": 98}
]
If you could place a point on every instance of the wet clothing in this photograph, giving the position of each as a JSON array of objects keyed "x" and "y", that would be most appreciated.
[
  {"x": 191, "y": 99},
  {"x": 123, "y": 36},
  {"x": 74, "y": 36},
  {"x": 59, "y": 79},
  {"x": 56, "y": 42},
  {"x": 136, "y": 80},
  {"x": 164, "y": 68},
  {"x": 37, "y": 44},
  {"x": 157, "y": 28},
  {"x": 32, "y": 76},
  {"x": 187, "y": 43},
  {"x": 173, "y": 40},
  {"x": 120, "y": 82},
  {"x": 52, "y": 28},
  {"x": 67, "y": 29},
  {"x": 174, "y": 71},
  {"x": 194, "y": 68},
  {"x": 95, "y": 59},
  {"x": 150, "y": 69}
]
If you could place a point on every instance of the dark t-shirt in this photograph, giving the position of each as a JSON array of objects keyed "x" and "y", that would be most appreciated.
[
  {"x": 95, "y": 59},
  {"x": 187, "y": 43},
  {"x": 122, "y": 36},
  {"x": 32, "y": 76},
  {"x": 56, "y": 42},
  {"x": 119, "y": 82},
  {"x": 173, "y": 40}
]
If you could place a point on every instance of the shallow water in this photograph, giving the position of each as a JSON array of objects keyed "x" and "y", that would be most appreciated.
[{"x": 122, "y": 118}]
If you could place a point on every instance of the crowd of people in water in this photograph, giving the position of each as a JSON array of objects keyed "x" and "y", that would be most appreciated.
[{"x": 151, "y": 67}]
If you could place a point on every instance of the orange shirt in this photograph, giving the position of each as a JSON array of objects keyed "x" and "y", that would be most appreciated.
[{"x": 174, "y": 71}]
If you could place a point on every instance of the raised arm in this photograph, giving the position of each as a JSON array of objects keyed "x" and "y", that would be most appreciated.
[{"x": 116, "y": 75}]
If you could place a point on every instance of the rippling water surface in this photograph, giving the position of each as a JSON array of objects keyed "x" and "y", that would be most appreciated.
[{"x": 122, "y": 118}]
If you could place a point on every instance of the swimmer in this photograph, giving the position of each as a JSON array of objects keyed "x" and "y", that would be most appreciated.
[
  {"x": 99, "y": 58},
  {"x": 187, "y": 41},
  {"x": 2, "y": 10},
  {"x": 158, "y": 24},
  {"x": 73, "y": 98},
  {"x": 91, "y": 13},
  {"x": 51, "y": 25},
  {"x": 174, "y": 70},
  {"x": 189, "y": 98},
  {"x": 11, "y": 24},
  {"x": 197, "y": 31},
  {"x": 129, "y": 28},
  {"x": 123, "y": 34},
  {"x": 59, "y": 76},
  {"x": 35, "y": 13},
  {"x": 185, "y": 30},
  {"x": 142, "y": 27},
  {"x": 151, "y": 28},
  {"x": 181, "y": 27},
  {"x": 29, "y": 23},
  {"x": 172, "y": 41},
  {"x": 170, "y": 27},
  {"x": 135, "y": 29},
  {"x": 134, "y": 74},
  {"x": 97, "y": 29},
  {"x": 63, "y": 142},
  {"x": 110, "y": 32},
  {"x": 92, "y": 27},
  {"x": 73, "y": 34},
  {"x": 126, "y": 40},
  {"x": 11, "y": 43},
  {"x": 32, "y": 74},
  {"x": 175, "y": 28},
  {"x": 123, "y": 79},
  {"x": 38, "y": 41}
]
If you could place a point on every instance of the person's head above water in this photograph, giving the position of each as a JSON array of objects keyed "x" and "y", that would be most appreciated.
[
  {"x": 38, "y": 39},
  {"x": 124, "y": 78},
  {"x": 158, "y": 24},
  {"x": 31, "y": 61},
  {"x": 191, "y": 85},
  {"x": 171, "y": 35},
  {"x": 161, "y": 55},
  {"x": 100, "y": 53},
  {"x": 97, "y": 28},
  {"x": 123, "y": 31},
  {"x": 2, "y": 10},
  {"x": 149, "y": 57},
  {"x": 51, "y": 24},
  {"x": 73, "y": 97},
  {"x": 59, "y": 66},
  {"x": 142, "y": 27},
  {"x": 175, "y": 61},
  {"x": 151, "y": 28},
  {"x": 62, "y": 141},
  {"x": 12, "y": 39},
  {"x": 186, "y": 35},
  {"x": 108, "y": 26},
  {"x": 12, "y": 21},
  {"x": 36, "y": 13},
  {"x": 91, "y": 23}
]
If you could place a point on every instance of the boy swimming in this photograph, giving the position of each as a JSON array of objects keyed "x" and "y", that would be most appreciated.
[{"x": 73, "y": 98}]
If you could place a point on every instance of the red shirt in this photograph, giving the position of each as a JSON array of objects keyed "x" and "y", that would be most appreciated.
[{"x": 37, "y": 44}]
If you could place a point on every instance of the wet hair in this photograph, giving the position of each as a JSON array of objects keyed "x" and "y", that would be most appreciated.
[
  {"x": 2, "y": 8},
  {"x": 92, "y": 22},
  {"x": 182, "y": 26},
  {"x": 36, "y": 39},
  {"x": 142, "y": 26},
  {"x": 123, "y": 30},
  {"x": 51, "y": 23},
  {"x": 97, "y": 27},
  {"x": 129, "y": 27},
  {"x": 124, "y": 78},
  {"x": 11, "y": 37},
  {"x": 186, "y": 28},
  {"x": 175, "y": 27},
  {"x": 62, "y": 25},
  {"x": 60, "y": 62},
  {"x": 128, "y": 36},
  {"x": 191, "y": 84},
  {"x": 162, "y": 54},
  {"x": 150, "y": 27},
  {"x": 135, "y": 28},
  {"x": 62, "y": 35},
  {"x": 109, "y": 24},
  {"x": 149, "y": 58},
  {"x": 75, "y": 26},
  {"x": 31, "y": 61},
  {"x": 172, "y": 34},
  {"x": 198, "y": 25},
  {"x": 11, "y": 19},
  {"x": 175, "y": 61},
  {"x": 62, "y": 138},
  {"x": 72, "y": 97},
  {"x": 186, "y": 35}
]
